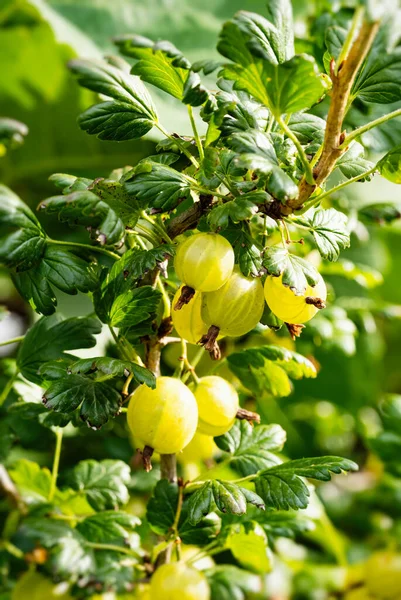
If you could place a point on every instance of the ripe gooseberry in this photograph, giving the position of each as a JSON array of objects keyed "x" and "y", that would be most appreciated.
[
  {"x": 289, "y": 307},
  {"x": 165, "y": 418},
  {"x": 218, "y": 404},
  {"x": 177, "y": 581},
  {"x": 233, "y": 310},
  {"x": 203, "y": 262}
]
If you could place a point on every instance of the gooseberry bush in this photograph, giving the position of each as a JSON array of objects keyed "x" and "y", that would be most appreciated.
[{"x": 193, "y": 257}]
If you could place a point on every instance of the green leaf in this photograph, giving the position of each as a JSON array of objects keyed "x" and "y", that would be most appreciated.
[
  {"x": 114, "y": 195},
  {"x": 162, "y": 507},
  {"x": 329, "y": 229},
  {"x": 109, "y": 527},
  {"x": 104, "y": 483},
  {"x": 22, "y": 239},
  {"x": 200, "y": 534},
  {"x": 223, "y": 496},
  {"x": 115, "y": 122},
  {"x": 282, "y": 488},
  {"x": 309, "y": 130},
  {"x": 234, "y": 111},
  {"x": 377, "y": 81},
  {"x": 12, "y": 134},
  {"x": 50, "y": 337},
  {"x": 161, "y": 187},
  {"x": 252, "y": 448},
  {"x": 69, "y": 556},
  {"x": 247, "y": 252},
  {"x": 115, "y": 83},
  {"x": 231, "y": 583},
  {"x": 390, "y": 165},
  {"x": 97, "y": 400},
  {"x": 113, "y": 367},
  {"x": 281, "y": 186},
  {"x": 236, "y": 210},
  {"x": 250, "y": 547},
  {"x": 134, "y": 307},
  {"x": 352, "y": 164},
  {"x": 296, "y": 272},
  {"x": 164, "y": 66},
  {"x": 85, "y": 208},
  {"x": 267, "y": 369},
  {"x": 380, "y": 213},
  {"x": 33, "y": 482}
]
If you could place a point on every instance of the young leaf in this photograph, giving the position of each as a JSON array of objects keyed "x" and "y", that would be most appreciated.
[
  {"x": 33, "y": 483},
  {"x": 165, "y": 67},
  {"x": 161, "y": 187},
  {"x": 22, "y": 239},
  {"x": 296, "y": 272},
  {"x": 222, "y": 495},
  {"x": 281, "y": 486},
  {"x": 113, "y": 367},
  {"x": 267, "y": 369},
  {"x": 329, "y": 228},
  {"x": 50, "y": 337},
  {"x": 250, "y": 547},
  {"x": 104, "y": 483},
  {"x": 390, "y": 165},
  {"x": 252, "y": 449}
]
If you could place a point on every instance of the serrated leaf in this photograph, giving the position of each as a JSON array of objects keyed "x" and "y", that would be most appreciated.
[
  {"x": 134, "y": 306},
  {"x": 376, "y": 82},
  {"x": 162, "y": 187},
  {"x": 109, "y": 527},
  {"x": 104, "y": 483},
  {"x": 115, "y": 83},
  {"x": 253, "y": 141},
  {"x": 267, "y": 369},
  {"x": 69, "y": 557},
  {"x": 22, "y": 239},
  {"x": 390, "y": 165},
  {"x": 329, "y": 229},
  {"x": 235, "y": 111},
  {"x": 308, "y": 128},
  {"x": 59, "y": 267},
  {"x": 114, "y": 195},
  {"x": 162, "y": 507},
  {"x": 165, "y": 67},
  {"x": 247, "y": 252},
  {"x": 296, "y": 272},
  {"x": 353, "y": 164},
  {"x": 236, "y": 210},
  {"x": 33, "y": 482},
  {"x": 113, "y": 367},
  {"x": 97, "y": 401},
  {"x": 252, "y": 448},
  {"x": 50, "y": 337},
  {"x": 115, "y": 122},
  {"x": 282, "y": 488},
  {"x": 200, "y": 534},
  {"x": 223, "y": 496}
]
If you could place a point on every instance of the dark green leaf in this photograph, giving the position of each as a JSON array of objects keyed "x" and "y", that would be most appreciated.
[
  {"x": 236, "y": 210},
  {"x": 134, "y": 306},
  {"x": 115, "y": 121},
  {"x": 252, "y": 448},
  {"x": 329, "y": 228},
  {"x": 22, "y": 239},
  {"x": 104, "y": 483},
  {"x": 282, "y": 488},
  {"x": 223, "y": 496},
  {"x": 162, "y": 187},
  {"x": 115, "y": 196},
  {"x": 50, "y": 337},
  {"x": 162, "y": 507},
  {"x": 296, "y": 272},
  {"x": 97, "y": 400},
  {"x": 377, "y": 80},
  {"x": 200, "y": 534},
  {"x": 247, "y": 253},
  {"x": 267, "y": 369},
  {"x": 113, "y": 367}
]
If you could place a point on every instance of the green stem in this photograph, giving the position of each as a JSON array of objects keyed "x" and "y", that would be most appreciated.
[
  {"x": 12, "y": 341},
  {"x": 56, "y": 463},
  {"x": 196, "y": 134},
  {"x": 357, "y": 132},
  {"x": 178, "y": 142},
  {"x": 7, "y": 388},
  {"x": 119, "y": 344},
  {"x": 165, "y": 297},
  {"x": 112, "y": 547},
  {"x": 12, "y": 549},
  {"x": 144, "y": 233},
  {"x": 356, "y": 22},
  {"x": 318, "y": 199},
  {"x": 304, "y": 159},
  {"x": 159, "y": 228},
  {"x": 86, "y": 246}
]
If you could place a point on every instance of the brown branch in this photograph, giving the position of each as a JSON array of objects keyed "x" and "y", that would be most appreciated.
[
  {"x": 247, "y": 415},
  {"x": 190, "y": 217},
  {"x": 343, "y": 81}
]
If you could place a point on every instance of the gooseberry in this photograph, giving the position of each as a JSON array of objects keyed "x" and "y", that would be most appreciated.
[
  {"x": 203, "y": 262},
  {"x": 233, "y": 310},
  {"x": 177, "y": 581},
  {"x": 165, "y": 418},
  {"x": 292, "y": 308},
  {"x": 218, "y": 404}
]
